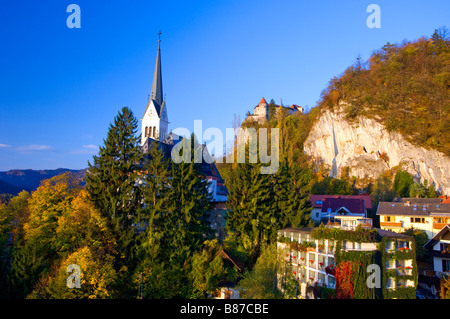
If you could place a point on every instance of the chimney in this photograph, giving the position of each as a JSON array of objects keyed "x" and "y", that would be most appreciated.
[{"x": 408, "y": 203}]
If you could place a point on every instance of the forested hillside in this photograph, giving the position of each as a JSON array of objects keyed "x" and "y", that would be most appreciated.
[{"x": 403, "y": 86}]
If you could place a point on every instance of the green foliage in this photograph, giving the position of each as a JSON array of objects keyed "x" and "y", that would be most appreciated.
[
  {"x": 261, "y": 281},
  {"x": 358, "y": 235},
  {"x": 111, "y": 184},
  {"x": 332, "y": 186},
  {"x": 207, "y": 269},
  {"x": 251, "y": 219},
  {"x": 174, "y": 258},
  {"x": 184, "y": 222},
  {"x": 399, "y": 292},
  {"x": 291, "y": 195},
  {"x": 402, "y": 183},
  {"x": 420, "y": 238},
  {"x": 155, "y": 186}
]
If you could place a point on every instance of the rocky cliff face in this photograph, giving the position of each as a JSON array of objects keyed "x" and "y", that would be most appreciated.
[{"x": 368, "y": 149}]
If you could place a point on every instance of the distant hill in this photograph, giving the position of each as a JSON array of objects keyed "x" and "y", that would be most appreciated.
[
  {"x": 14, "y": 181},
  {"x": 6, "y": 188}
]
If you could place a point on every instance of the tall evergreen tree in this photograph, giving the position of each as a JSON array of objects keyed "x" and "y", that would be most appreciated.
[
  {"x": 184, "y": 223},
  {"x": 291, "y": 195},
  {"x": 112, "y": 183},
  {"x": 155, "y": 185},
  {"x": 299, "y": 195},
  {"x": 251, "y": 219}
]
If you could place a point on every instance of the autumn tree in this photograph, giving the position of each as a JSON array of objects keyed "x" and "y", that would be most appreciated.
[
  {"x": 40, "y": 247},
  {"x": 97, "y": 277}
]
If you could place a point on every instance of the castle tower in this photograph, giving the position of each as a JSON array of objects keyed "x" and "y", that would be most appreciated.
[
  {"x": 262, "y": 109},
  {"x": 155, "y": 122}
]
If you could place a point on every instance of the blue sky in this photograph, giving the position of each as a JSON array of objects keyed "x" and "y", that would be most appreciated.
[{"x": 60, "y": 88}]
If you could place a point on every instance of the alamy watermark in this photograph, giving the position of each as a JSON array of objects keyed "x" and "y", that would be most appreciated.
[
  {"x": 74, "y": 278},
  {"x": 374, "y": 19},
  {"x": 374, "y": 279},
  {"x": 74, "y": 19},
  {"x": 243, "y": 138}
]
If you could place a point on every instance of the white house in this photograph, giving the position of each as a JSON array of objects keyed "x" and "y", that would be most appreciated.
[{"x": 439, "y": 247}]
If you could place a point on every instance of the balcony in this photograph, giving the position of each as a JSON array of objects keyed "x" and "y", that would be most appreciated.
[
  {"x": 439, "y": 226},
  {"x": 391, "y": 224},
  {"x": 442, "y": 254}
]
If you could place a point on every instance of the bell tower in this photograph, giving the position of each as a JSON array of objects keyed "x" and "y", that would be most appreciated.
[{"x": 155, "y": 122}]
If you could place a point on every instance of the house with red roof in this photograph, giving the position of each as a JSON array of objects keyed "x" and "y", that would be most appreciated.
[{"x": 327, "y": 207}]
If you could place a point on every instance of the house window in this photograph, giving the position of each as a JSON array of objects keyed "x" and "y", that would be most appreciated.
[
  {"x": 389, "y": 218},
  {"x": 390, "y": 284},
  {"x": 331, "y": 282},
  {"x": 401, "y": 283},
  {"x": 321, "y": 279},
  {"x": 417, "y": 220},
  {"x": 445, "y": 265},
  {"x": 330, "y": 261},
  {"x": 390, "y": 264},
  {"x": 440, "y": 220}
]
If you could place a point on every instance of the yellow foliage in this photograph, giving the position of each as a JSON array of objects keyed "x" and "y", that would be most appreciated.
[
  {"x": 48, "y": 202},
  {"x": 97, "y": 276}
]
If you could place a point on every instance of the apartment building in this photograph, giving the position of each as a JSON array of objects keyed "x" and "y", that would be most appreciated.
[{"x": 316, "y": 256}]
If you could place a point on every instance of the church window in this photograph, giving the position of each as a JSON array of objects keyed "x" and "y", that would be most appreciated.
[{"x": 154, "y": 131}]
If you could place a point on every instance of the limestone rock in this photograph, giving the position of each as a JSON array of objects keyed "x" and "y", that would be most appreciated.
[{"x": 369, "y": 149}]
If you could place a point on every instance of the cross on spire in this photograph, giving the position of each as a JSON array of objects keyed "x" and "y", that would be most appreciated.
[{"x": 157, "y": 91}]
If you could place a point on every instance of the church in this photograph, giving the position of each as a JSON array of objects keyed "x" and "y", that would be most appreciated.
[{"x": 155, "y": 129}]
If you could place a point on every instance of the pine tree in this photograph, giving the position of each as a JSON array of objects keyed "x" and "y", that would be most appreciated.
[
  {"x": 299, "y": 195},
  {"x": 251, "y": 219},
  {"x": 155, "y": 186},
  {"x": 291, "y": 200},
  {"x": 155, "y": 181},
  {"x": 112, "y": 182},
  {"x": 184, "y": 223}
]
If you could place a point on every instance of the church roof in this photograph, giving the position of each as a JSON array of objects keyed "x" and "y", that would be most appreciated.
[
  {"x": 156, "y": 95},
  {"x": 158, "y": 107},
  {"x": 157, "y": 89}
]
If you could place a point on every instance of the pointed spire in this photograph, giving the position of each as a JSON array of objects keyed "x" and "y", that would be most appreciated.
[{"x": 157, "y": 91}]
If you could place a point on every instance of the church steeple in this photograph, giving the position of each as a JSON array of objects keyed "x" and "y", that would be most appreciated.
[
  {"x": 155, "y": 122},
  {"x": 157, "y": 90}
]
